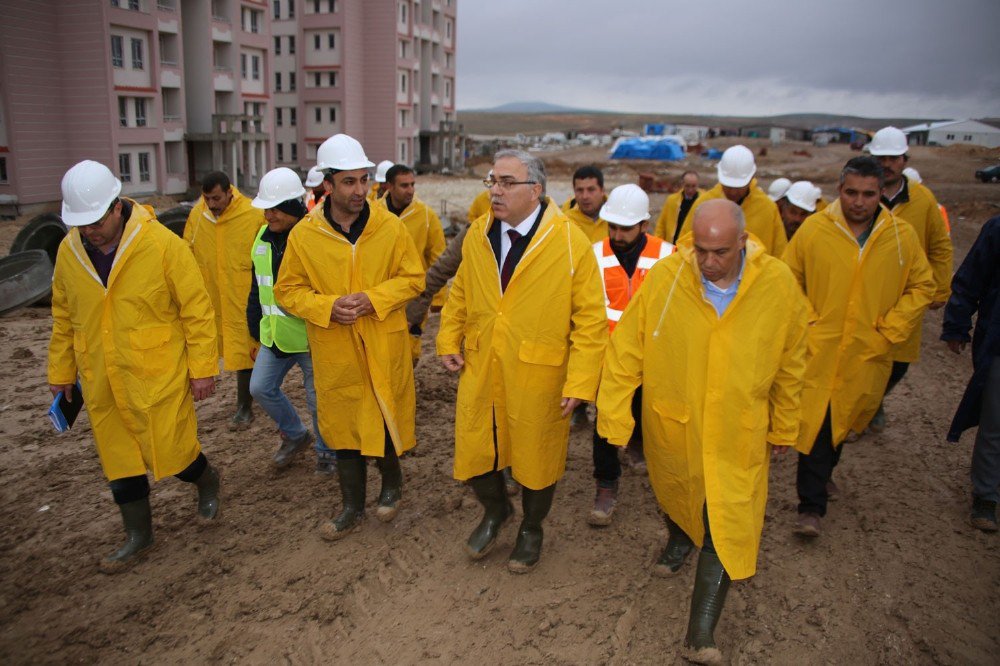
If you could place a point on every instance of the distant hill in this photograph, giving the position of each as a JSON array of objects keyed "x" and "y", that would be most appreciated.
[{"x": 529, "y": 107}]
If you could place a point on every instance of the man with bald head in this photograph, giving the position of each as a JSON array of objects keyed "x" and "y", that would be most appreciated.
[{"x": 716, "y": 338}]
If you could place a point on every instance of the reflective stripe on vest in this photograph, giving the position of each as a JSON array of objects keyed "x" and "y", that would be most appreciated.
[
  {"x": 277, "y": 327},
  {"x": 618, "y": 288}
]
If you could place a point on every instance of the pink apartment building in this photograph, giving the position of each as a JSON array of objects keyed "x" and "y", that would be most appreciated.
[{"x": 164, "y": 91}]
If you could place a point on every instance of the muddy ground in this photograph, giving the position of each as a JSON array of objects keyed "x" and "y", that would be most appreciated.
[{"x": 898, "y": 576}]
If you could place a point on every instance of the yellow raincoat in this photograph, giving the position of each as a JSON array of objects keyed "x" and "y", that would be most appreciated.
[
  {"x": 596, "y": 230},
  {"x": 865, "y": 302},
  {"x": 374, "y": 197},
  {"x": 716, "y": 391},
  {"x": 135, "y": 345},
  {"x": 526, "y": 349},
  {"x": 666, "y": 223},
  {"x": 222, "y": 249},
  {"x": 428, "y": 235},
  {"x": 362, "y": 372},
  {"x": 762, "y": 216},
  {"x": 480, "y": 206},
  {"x": 924, "y": 214}
]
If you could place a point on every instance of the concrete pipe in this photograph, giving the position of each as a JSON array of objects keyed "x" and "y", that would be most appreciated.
[{"x": 25, "y": 278}]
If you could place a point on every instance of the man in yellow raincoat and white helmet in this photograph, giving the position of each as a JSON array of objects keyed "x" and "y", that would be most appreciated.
[
  {"x": 525, "y": 325},
  {"x": 132, "y": 319},
  {"x": 349, "y": 269},
  {"x": 717, "y": 339},
  {"x": 221, "y": 229}
]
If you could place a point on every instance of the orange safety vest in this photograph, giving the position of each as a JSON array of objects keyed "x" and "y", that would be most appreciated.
[{"x": 618, "y": 288}]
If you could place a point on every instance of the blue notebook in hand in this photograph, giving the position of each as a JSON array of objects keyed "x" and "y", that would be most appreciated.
[{"x": 63, "y": 412}]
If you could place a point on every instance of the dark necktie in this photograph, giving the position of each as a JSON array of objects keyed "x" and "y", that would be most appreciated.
[{"x": 509, "y": 262}]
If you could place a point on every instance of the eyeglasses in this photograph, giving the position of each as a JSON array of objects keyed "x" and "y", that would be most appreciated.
[
  {"x": 505, "y": 185},
  {"x": 101, "y": 220}
]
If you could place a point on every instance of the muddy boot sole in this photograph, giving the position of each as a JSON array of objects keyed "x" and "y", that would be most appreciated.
[
  {"x": 112, "y": 567},
  {"x": 711, "y": 656},
  {"x": 329, "y": 531}
]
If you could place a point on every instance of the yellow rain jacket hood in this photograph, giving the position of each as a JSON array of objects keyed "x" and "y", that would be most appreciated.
[
  {"x": 716, "y": 391},
  {"x": 525, "y": 349},
  {"x": 596, "y": 230},
  {"x": 666, "y": 223},
  {"x": 362, "y": 372},
  {"x": 865, "y": 302},
  {"x": 135, "y": 345},
  {"x": 762, "y": 216},
  {"x": 222, "y": 249}
]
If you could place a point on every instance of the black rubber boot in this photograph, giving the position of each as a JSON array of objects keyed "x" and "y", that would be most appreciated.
[
  {"x": 391, "y": 495},
  {"x": 711, "y": 583},
  {"x": 353, "y": 474},
  {"x": 244, "y": 401},
  {"x": 513, "y": 487},
  {"x": 138, "y": 520},
  {"x": 491, "y": 492},
  {"x": 675, "y": 554},
  {"x": 209, "y": 484},
  {"x": 528, "y": 549}
]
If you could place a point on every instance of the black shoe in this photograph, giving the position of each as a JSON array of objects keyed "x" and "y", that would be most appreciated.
[
  {"x": 676, "y": 552},
  {"x": 290, "y": 448},
  {"x": 492, "y": 494},
  {"x": 528, "y": 548},
  {"x": 984, "y": 515},
  {"x": 138, "y": 521}
]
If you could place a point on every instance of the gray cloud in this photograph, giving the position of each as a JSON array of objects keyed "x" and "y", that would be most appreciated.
[{"x": 873, "y": 58}]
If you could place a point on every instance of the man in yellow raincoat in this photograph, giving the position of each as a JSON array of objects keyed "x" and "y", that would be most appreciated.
[
  {"x": 132, "y": 319},
  {"x": 910, "y": 200},
  {"x": 737, "y": 183},
  {"x": 221, "y": 230},
  {"x": 525, "y": 326},
  {"x": 717, "y": 339},
  {"x": 348, "y": 271},
  {"x": 584, "y": 208},
  {"x": 868, "y": 283},
  {"x": 422, "y": 223},
  {"x": 670, "y": 223}
]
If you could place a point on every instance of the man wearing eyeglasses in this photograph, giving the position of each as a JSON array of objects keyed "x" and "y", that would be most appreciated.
[{"x": 525, "y": 326}]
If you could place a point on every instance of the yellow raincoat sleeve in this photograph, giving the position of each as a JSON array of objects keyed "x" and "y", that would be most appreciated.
[
  {"x": 588, "y": 334},
  {"x": 786, "y": 390},
  {"x": 899, "y": 322},
  {"x": 792, "y": 256},
  {"x": 407, "y": 282},
  {"x": 453, "y": 314},
  {"x": 779, "y": 239},
  {"x": 62, "y": 360},
  {"x": 939, "y": 252},
  {"x": 293, "y": 289},
  {"x": 622, "y": 374},
  {"x": 194, "y": 310}
]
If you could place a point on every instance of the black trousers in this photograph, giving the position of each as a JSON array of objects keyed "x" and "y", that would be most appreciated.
[
  {"x": 607, "y": 467},
  {"x": 816, "y": 469},
  {"x": 899, "y": 369},
  {"x": 132, "y": 488},
  {"x": 353, "y": 454},
  {"x": 708, "y": 546}
]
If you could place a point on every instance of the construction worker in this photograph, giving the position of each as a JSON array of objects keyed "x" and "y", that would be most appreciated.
[
  {"x": 670, "y": 224},
  {"x": 379, "y": 186},
  {"x": 420, "y": 220},
  {"x": 131, "y": 318},
  {"x": 717, "y": 339},
  {"x": 796, "y": 204},
  {"x": 974, "y": 291},
  {"x": 778, "y": 188},
  {"x": 914, "y": 175},
  {"x": 528, "y": 352},
  {"x": 220, "y": 230},
  {"x": 584, "y": 208},
  {"x": 916, "y": 204},
  {"x": 868, "y": 283},
  {"x": 282, "y": 337},
  {"x": 737, "y": 183},
  {"x": 349, "y": 269},
  {"x": 480, "y": 205},
  {"x": 624, "y": 258},
  {"x": 314, "y": 185}
]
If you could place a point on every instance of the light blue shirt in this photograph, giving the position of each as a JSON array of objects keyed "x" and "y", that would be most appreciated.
[{"x": 721, "y": 298}]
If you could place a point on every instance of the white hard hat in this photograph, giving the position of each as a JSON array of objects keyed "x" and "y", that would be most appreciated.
[
  {"x": 380, "y": 170},
  {"x": 778, "y": 188},
  {"x": 803, "y": 194},
  {"x": 627, "y": 206},
  {"x": 277, "y": 186},
  {"x": 888, "y": 141},
  {"x": 314, "y": 178},
  {"x": 736, "y": 168},
  {"x": 88, "y": 190},
  {"x": 342, "y": 153},
  {"x": 912, "y": 174}
]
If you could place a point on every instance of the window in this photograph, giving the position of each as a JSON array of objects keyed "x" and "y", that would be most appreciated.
[
  {"x": 329, "y": 40},
  {"x": 333, "y": 114},
  {"x": 402, "y": 82},
  {"x": 315, "y": 6},
  {"x": 402, "y": 117},
  {"x": 136, "y": 53},
  {"x": 968, "y": 137},
  {"x": 140, "y": 112},
  {"x": 316, "y": 42},
  {"x": 3, "y": 169},
  {"x": 143, "y": 167},
  {"x": 281, "y": 152},
  {"x": 251, "y": 20},
  {"x": 255, "y": 67},
  {"x": 277, "y": 9},
  {"x": 402, "y": 48},
  {"x": 317, "y": 79},
  {"x": 402, "y": 13},
  {"x": 243, "y": 65},
  {"x": 292, "y": 113},
  {"x": 125, "y": 167},
  {"x": 332, "y": 79},
  {"x": 291, "y": 8},
  {"x": 117, "y": 51},
  {"x": 277, "y": 46},
  {"x": 295, "y": 151},
  {"x": 319, "y": 114},
  {"x": 123, "y": 112},
  {"x": 331, "y": 6},
  {"x": 447, "y": 90},
  {"x": 291, "y": 81},
  {"x": 950, "y": 137},
  {"x": 402, "y": 152},
  {"x": 277, "y": 81},
  {"x": 133, "y": 4},
  {"x": 291, "y": 43},
  {"x": 447, "y": 29},
  {"x": 277, "y": 116}
]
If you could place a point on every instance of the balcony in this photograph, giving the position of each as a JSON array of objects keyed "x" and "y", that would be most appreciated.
[{"x": 166, "y": 5}]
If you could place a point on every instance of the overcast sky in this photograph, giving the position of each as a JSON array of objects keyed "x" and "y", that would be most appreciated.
[{"x": 875, "y": 58}]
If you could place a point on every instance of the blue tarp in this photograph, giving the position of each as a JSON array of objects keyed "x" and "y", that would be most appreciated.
[
  {"x": 712, "y": 154},
  {"x": 644, "y": 148}
]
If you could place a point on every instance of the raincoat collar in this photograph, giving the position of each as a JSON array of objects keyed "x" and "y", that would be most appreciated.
[{"x": 136, "y": 224}]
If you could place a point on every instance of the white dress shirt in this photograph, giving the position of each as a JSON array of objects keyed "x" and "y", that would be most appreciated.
[{"x": 522, "y": 228}]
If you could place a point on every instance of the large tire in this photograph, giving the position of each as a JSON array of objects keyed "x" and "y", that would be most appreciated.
[
  {"x": 25, "y": 278},
  {"x": 175, "y": 219},
  {"x": 44, "y": 232}
]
